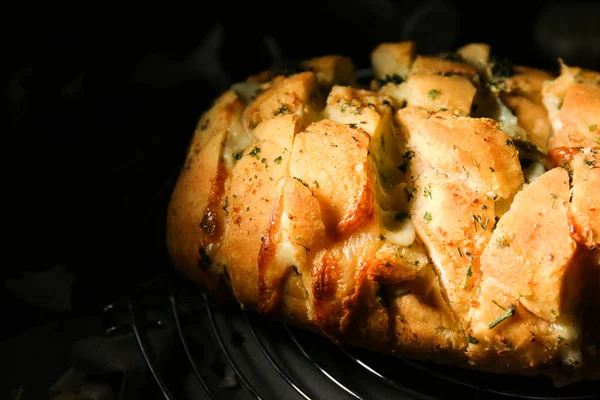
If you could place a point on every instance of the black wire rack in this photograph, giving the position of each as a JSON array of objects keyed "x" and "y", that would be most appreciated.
[{"x": 328, "y": 371}]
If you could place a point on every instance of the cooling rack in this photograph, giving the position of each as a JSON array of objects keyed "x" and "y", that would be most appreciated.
[{"x": 272, "y": 360}]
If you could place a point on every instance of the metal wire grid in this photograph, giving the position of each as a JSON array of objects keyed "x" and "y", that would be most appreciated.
[{"x": 478, "y": 389}]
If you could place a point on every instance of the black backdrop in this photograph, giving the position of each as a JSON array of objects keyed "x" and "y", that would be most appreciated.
[{"x": 100, "y": 107}]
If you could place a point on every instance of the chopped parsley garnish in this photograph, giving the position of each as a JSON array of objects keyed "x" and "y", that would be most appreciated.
[
  {"x": 593, "y": 127},
  {"x": 509, "y": 142},
  {"x": 589, "y": 163},
  {"x": 301, "y": 181},
  {"x": 492, "y": 169},
  {"x": 433, "y": 94},
  {"x": 281, "y": 110},
  {"x": 561, "y": 339},
  {"x": 387, "y": 103},
  {"x": 381, "y": 237},
  {"x": 238, "y": 156},
  {"x": 277, "y": 160},
  {"x": 427, "y": 216},
  {"x": 459, "y": 252},
  {"x": 205, "y": 125},
  {"x": 427, "y": 193},
  {"x": 317, "y": 184},
  {"x": 255, "y": 153},
  {"x": 477, "y": 219},
  {"x": 352, "y": 125},
  {"x": 496, "y": 303},
  {"x": 405, "y": 160},
  {"x": 400, "y": 293},
  {"x": 394, "y": 78},
  {"x": 472, "y": 340},
  {"x": 501, "y": 242},
  {"x": 468, "y": 275},
  {"x": 510, "y": 312}
]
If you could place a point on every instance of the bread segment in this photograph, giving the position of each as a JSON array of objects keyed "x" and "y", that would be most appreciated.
[
  {"x": 573, "y": 103},
  {"x": 256, "y": 183},
  {"x": 393, "y": 59},
  {"x": 531, "y": 250},
  {"x": 324, "y": 153},
  {"x": 584, "y": 210},
  {"x": 195, "y": 218}
]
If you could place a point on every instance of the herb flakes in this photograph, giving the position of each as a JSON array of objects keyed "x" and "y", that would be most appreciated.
[
  {"x": 510, "y": 312},
  {"x": 255, "y": 153},
  {"x": 427, "y": 216},
  {"x": 281, "y": 110},
  {"x": 406, "y": 157},
  {"x": 433, "y": 93}
]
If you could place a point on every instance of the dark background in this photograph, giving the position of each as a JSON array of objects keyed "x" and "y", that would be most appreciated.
[{"x": 100, "y": 107}]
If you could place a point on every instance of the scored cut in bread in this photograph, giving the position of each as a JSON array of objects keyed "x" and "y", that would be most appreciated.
[{"x": 448, "y": 210}]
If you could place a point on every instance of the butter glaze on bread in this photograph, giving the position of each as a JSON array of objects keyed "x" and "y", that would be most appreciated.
[{"x": 447, "y": 211}]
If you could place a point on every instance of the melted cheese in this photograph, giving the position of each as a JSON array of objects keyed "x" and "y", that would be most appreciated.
[
  {"x": 508, "y": 122},
  {"x": 533, "y": 171},
  {"x": 400, "y": 232},
  {"x": 238, "y": 140},
  {"x": 552, "y": 103},
  {"x": 567, "y": 328},
  {"x": 285, "y": 250},
  {"x": 246, "y": 90}
]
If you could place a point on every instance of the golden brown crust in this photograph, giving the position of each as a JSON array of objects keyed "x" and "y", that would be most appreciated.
[
  {"x": 531, "y": 250},
  {"x": 434, "y": 93},
  {"x": 332, "y": 70},
  {"x": 426, "y": 65},
  {"x": 399, "y": 219},
  {"x": 195, "y": 219},
  {"x": 584, "y": 210},
  {"x": 389, "y": 59}
]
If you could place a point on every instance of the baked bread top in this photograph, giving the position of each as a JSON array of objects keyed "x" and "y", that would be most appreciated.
[{"x": 446, "y": 210}]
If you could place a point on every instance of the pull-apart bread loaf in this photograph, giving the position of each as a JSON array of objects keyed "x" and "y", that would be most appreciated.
[{"x": 448, "y": 210}]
